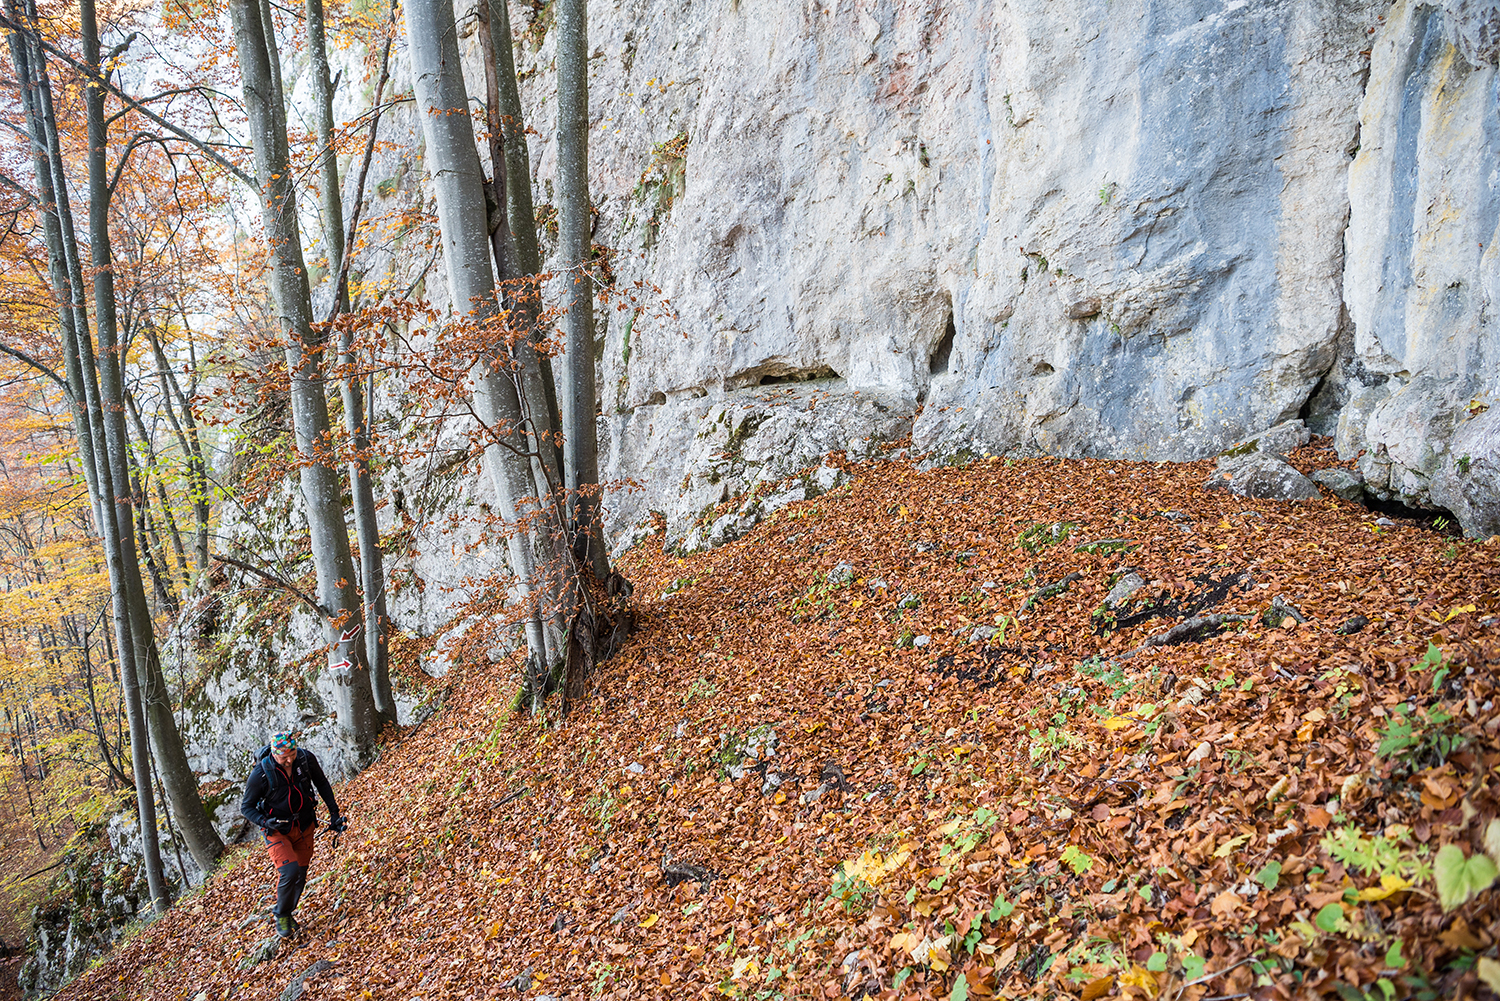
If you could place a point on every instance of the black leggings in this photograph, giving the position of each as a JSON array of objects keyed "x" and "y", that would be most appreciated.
[{"x": 289, "y": 889}]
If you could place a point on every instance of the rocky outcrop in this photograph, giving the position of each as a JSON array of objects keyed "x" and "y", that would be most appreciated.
[
  {"x": 1257, "y": 466},
  {"x": 1137, "y": 229},
  {"x": 92, "y": 901},
  {"x": 1434, "y": 448},
  {"x": 1079, "y": 228},
  {"x": 686, "y": 458},
  {"x": 1423, "y": 276}
]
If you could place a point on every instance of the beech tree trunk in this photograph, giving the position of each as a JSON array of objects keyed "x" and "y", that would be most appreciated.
[
  {"x": 575, "y": 253},
  {"x": 367, "y": 532},
  {"x": 178, "y": 778},
  {"x": 67, "y": 278},
  {"x": 513, "y": 459},
  {"x": 568, "y": 629},
  {"x": 319, "y": 473}
]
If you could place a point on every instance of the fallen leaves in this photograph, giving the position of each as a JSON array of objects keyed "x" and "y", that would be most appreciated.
[{"x": 1052, "y": 809}]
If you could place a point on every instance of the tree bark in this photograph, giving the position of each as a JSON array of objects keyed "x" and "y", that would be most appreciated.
[
  {"x": 178, "y": 777},
  {"x": 186, "y": 430},
  {"x": 361, "y": 482},
  {"x": 537, "y": 551},
  {"x": 575, "y": 253},
  {"x": 319, "y": 474}
]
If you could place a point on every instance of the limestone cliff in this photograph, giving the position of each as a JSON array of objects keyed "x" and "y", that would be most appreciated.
[{"x": 1098, "y": 227}]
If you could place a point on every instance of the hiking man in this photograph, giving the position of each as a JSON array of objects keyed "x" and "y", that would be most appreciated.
[{"x": 279, "y": 800}]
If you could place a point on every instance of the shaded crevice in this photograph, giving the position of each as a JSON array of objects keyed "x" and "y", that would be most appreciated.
[
  {"x": 937, "y": 363},
  {"x": 796, "y": 376},
  {"x": 1437, "y": 519}
]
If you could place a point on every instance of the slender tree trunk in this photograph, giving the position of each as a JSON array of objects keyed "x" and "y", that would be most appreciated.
[
  {"x": 115, "y": 774},
  {"x": 172, "y": 532},
  {"x": 181, "y": 783},
  {"x": 361, "y": 481},
  {"x": 513, "y": 237},
  {"x": 78, "y": 362},
  {"x": 319, "y": 475},
  {"x": 536, "y": 546},
  {"x": 575, "y": 251},
  {"x": 186, "y": 430}
]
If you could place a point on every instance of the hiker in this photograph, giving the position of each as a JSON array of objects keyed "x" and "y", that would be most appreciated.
[{"x": 279, "y": 800}]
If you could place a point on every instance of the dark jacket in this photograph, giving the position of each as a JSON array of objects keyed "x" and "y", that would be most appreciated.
[{"x": 272, "y": 798}]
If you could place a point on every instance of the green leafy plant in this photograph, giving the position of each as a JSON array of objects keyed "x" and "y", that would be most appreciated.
[
  {"x": 1043, "y": 534},
  {"x": 1045, "y": 747},
  {"x": 701, "y": 688},
  {"x": 1379, "y": 856},
  {"x": 1077, "y": 859},
  {"x": 853, "y": 892},
  {"x": 818, "y": 601},
  {"x": 1419, "y": 738},
  {"x": 1459, "y": 878}
]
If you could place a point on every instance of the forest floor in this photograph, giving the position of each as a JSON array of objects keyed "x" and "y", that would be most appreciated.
[{"x": 892, "y": 744}]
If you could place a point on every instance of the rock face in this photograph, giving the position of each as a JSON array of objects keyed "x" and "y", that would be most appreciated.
[
  {"x": 691, "y": 456},
  {"x": 1094, "y": 227}
]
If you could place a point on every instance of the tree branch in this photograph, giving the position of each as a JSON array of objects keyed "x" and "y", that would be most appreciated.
[
  {"x": 102, "y": 81},
  {"x": 275, "y": 581},
  {"x": 46, "y": 370}
]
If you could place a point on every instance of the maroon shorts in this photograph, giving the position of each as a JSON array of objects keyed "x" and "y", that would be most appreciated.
[{"x": 295, "y": 846}]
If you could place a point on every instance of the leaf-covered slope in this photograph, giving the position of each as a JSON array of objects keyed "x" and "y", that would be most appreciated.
[{"x": 894, "y": 743}]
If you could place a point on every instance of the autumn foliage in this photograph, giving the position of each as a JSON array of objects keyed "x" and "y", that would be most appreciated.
[{"x": 894, "y": 744}]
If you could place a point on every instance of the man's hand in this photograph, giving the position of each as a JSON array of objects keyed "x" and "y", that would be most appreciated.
[
  {"x": 337, "y": 824},
  {"x": 280, "y": 827}
]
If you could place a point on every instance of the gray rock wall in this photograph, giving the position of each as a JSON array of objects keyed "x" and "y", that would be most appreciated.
[{"x": 1132, "y": 228}]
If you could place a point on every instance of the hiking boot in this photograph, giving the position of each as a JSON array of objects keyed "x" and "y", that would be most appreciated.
[{"x": 285, "y": 926}]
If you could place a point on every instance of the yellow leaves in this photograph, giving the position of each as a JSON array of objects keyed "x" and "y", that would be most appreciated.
[
  {"x": 1310, "y": 724},
  {"x": 1460, "y": 610},
  {"x": 1489, "y": 972},
  {"x": 1140, "y": 714},
  {"x": 648, "y": 922},
  {"x": 1230, "y": 845},
  {"x": 745, "y": 966},
  {"x": 874, "y": 868},
  {"x": 1389, "y": 884},
  {"x": 493, "y": 929},
  {"x": 1139, "y": 976},
  {"x": 905, "y": 942},
  {"x": 924, "y": 951},
  {"x": 1097, "y": 988}
]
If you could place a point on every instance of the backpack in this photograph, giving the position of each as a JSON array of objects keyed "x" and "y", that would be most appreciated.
[{"x": 267, "y": 764}]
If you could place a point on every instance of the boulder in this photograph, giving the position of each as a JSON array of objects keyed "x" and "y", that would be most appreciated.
[
  {"x": 1277, "y": 440},
  {"x": 1263, "y": 476},
  {"x": 1468, "y": 482},
  {"x": 1123, "y": 589},
  {"x": 1341, "y": 482},
  {"x": 1432, "y": 448},
  {"x": 763, "y": 447}
]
